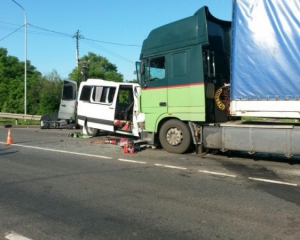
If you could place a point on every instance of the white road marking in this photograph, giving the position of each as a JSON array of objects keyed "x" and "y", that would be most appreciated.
[
  {"x": 60, "y": 151},
  {"x": 169, "y": 166},
  {"x": 15, "y": 236},
  {"x": 218, "y": 173},
  {"x": 272, "y": 181},
  {"x": 132, "y": 161}
]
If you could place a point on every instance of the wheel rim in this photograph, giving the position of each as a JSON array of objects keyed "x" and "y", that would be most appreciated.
[{"x": 174, "y": 136}]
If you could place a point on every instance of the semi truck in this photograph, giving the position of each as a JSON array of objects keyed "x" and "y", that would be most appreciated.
[{"x": 201, "y": 77}]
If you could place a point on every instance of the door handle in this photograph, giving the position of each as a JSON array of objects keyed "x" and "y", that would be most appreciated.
[
  {"x": 64, "y": 105},
  {"x": 162, "y": 104}
]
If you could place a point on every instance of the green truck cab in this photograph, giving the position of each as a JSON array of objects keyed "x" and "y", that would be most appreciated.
[{"x": 181, "y": 65}]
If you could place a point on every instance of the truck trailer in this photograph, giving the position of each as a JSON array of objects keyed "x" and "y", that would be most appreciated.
[{"x": 201, "y": 76}]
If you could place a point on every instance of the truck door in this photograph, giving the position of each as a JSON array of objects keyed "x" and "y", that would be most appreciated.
[
  {"x": 68, "y": 100},
  {"x": 154, "y": 98}
]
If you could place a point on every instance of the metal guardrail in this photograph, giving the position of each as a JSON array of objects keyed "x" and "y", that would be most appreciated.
[{"x": 20, "y": 116}]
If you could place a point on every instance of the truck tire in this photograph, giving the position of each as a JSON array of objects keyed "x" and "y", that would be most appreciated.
[
  {"x": 175, "y": 136},
  {"x": 92, "y": 131}
]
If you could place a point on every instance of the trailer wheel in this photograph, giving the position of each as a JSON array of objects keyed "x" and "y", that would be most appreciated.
[
  {"x": 175, "y": 136},
  {"x": 92, "y": 131}
]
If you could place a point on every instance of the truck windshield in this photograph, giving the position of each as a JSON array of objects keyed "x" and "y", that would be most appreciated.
[{"x": 155, "y": 69}]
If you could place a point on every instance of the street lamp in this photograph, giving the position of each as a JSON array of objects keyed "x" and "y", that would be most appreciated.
[{"x": 25, "y": 62}]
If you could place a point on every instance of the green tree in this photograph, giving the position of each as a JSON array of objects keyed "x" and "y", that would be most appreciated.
[
  {"x": 12, "y": 84},
  {"x": 33, "y": 89},
  {"x": 50, "y": 94},
  {"x": 43, "y": 92},
  {"x": 96, "y": 66}
]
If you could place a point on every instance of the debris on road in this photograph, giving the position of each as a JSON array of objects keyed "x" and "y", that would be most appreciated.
[
  {"x": 105, "y": 141},
  {"x": 78, "y": 134},
  {"x": 129, "y": 147},
  {"x": 122, "y": 142}
]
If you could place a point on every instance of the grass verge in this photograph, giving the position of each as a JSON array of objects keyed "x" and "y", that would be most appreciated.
[{"x": 20, "y": 122}]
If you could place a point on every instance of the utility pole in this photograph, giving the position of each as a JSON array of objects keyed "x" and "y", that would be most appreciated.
[
  {"x": 84, "y": 64},
  {"x": 77, "y": 36},
  {"x": 25, "y": 61},
  {"x": 84, "y": 70},
  {"x": 77, "y": 48}
]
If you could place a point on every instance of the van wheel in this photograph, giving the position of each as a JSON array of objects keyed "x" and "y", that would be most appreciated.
[
  {"x": 175, "y": 136},
  {"x": 92, "y": 131}
]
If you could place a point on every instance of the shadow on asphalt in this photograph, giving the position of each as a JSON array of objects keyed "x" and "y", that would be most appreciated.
[
  {"x": 268, "y": 157},
  {"x": 7, "y": 148},
  {"x": 6, "y": 153}
]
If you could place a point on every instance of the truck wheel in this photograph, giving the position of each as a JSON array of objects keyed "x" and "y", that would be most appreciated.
[
  {"x": 92, "y": 131},
  {"x": 175, "y": 136}
]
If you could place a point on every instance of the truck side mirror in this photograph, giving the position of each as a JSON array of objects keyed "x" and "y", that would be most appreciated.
[{"x": 142, "y": 68}]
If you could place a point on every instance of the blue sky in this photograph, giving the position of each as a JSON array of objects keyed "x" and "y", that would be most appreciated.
[{"x": 124, "y": 22}]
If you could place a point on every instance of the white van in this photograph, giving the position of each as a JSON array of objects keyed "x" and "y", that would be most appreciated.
[{"x": 109, "y": 106}]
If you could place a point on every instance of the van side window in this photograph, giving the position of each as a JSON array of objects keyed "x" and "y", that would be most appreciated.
[
  {"x": 103, "y": 94},
  {"x": 97, "y": 94},
  {"x": 111, "y": 94},
  {"x": 85, "y": 93}
]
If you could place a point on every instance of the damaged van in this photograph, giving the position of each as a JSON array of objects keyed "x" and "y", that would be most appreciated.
[{"x": 108, "y": 106}]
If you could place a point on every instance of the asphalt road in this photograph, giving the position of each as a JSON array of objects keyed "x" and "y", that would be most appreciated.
[{"x": 56, "y": 187}]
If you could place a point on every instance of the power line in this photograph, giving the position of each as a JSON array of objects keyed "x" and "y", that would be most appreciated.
[
  {"x": 9, "y": 28},
  {"x": 70, "y": 35},
  {"x": 10, "y": 23},
  {"x": 65, "y": 34},
  {"x": 120, "y": 44},
  {"x": 87, "y": 41},
  {"x": 34, "y": 32},
  {"x": 11, "y": 33},
  {"x": 106, "y": 50}
]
